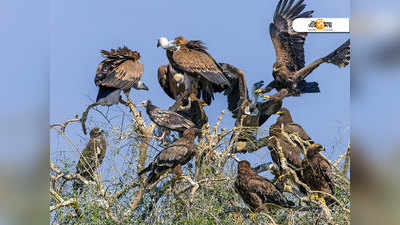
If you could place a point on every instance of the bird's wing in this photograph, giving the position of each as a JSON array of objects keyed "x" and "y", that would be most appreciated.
[
  {"x": 172, "y": 156},
  {"x": 339, "y": 57},
  {"x": 289, "y": 45},
  {"x": 123, "y": 76},
  {"x": 171, "y": 120},
  {"x": 265, "y": 190},
  {"x": 164, "y": 80},
  {"x": 197, "y": 61},
  {"x": 238, "y": 92},
  {"x": 326, "y": 172},
  {"x": 295, "y": 128}
]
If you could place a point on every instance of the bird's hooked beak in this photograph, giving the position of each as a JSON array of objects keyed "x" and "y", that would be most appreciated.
[
  {"x": 279, "y": 112},
  {"x": 204, "y": 104}
]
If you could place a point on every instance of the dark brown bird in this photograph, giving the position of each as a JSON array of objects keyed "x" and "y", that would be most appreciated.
[
  {"x": 289, "y": 70},
  {"x": 257, "y": 191},
  {"x": 291, "y": 152},
  {"x": 317, "y": 172},
  {"x": 91, "y": 157},
  {"x": 173, "y": 157},
  {"x": 166, "y": 119},
  {"x": 285, "y": 119},
  {"x": 120, "y": 70},
  {"x": 200, "y": 70},
  {"x": 192, "y": 109}
]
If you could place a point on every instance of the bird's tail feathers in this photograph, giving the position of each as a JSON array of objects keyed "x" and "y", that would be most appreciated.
[
  {"x": 108, "y": 96},
  {"x": 341, "y": 56},
  {"x": 307, "y": 87}
]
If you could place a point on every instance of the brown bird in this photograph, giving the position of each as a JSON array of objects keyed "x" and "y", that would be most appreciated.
[
  {"x": 171, "y": 82},
  {"x": 289, "y": 70},
  {"x": 317, "y": 172},
  {"x": 120, "y": 70},
  {"x": 173, "y": 157},
  {"x": 285, "y": 119},
  {"x": 192, "y": 109},
  {"x": 257, "y": 191},
  {"x": 200, "y": 70},
  {"x": 91, "y": 157},
  {"x": 291, "y": 152},
  {"x": 165, "y": 118}
]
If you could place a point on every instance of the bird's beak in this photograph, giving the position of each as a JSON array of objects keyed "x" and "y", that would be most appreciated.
[
  {"x": 266, "y": 97},
  {"x": 279, "y": 112},
  {"x": 204, "y": 104},
  {"x": 322, "y": 148}
]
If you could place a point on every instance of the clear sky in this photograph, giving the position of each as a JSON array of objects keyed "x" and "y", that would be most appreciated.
[{"x": 235, "y": 32}]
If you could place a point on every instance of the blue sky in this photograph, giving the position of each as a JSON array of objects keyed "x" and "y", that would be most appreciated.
[{"x": 235, "y": 32}]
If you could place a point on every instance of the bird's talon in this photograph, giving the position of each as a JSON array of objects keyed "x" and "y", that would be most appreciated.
[
  {"x": 252, "y": 215},
  {"x": 260, "y": 91}
]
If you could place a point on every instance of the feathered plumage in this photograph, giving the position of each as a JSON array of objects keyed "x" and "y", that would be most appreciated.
[
  {"x": 291, "y": 152},
  {"x": 192, "y": 109},
  {"x": 289, "y": 70},
  {"x": 91, "y": 157},
  {"x": 201, "y": 71},
  {"x": 317, "y": 172},
  {"x": 166, "y": 119},
  {"x": 173, "y": 157},
  {"x": 120, "y": 70},
  {"x": 257, "y": 191}
]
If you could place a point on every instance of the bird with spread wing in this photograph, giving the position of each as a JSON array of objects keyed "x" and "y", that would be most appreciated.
[{"x": 289, "y": 70}]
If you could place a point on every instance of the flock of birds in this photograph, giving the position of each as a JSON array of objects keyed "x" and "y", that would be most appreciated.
[{"x": 192, "y": 77}]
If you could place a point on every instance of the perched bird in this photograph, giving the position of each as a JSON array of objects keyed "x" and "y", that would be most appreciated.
[
  {"x": 120, "y": 70},
  {"x": 200, "y": 70},
  {"x": 173, "y": 157},
  {"x": 257, "y": 191},
  {"x": 192, "y": 109},
  {"x": 317, "y": 172},
  {"x": 165, "y": 118},
  {"x": 291, "y": 152},
  {"x": 91, "y": 157},
  {"x": 285, "y": 119},
  {"x": 289, "y": 70},
  {"x": 171, "y": 82}
]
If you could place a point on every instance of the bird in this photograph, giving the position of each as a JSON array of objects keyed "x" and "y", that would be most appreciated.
[
  {"x": 192, "y": 109},
  {"x": 317, "y": 172},
  {"x": 256, "y": 191},
  {"x": 198, "y": 67},
  {"x": 173, "y": 157},
  {"x": 289, "y": 70},
  {"x": 165, "y": 118},
  {"x": 290, "y": 151},
  {"x": 91, "y": 157},
  {"x": 171, "y": 82},
  {"x": 272, "y": 106},
  {"x": 285, "y": 119},
  {"x": 120, "y": 70}
]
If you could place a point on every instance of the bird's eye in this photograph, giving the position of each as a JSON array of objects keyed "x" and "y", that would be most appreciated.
[{"x": 275, "y": 68}]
